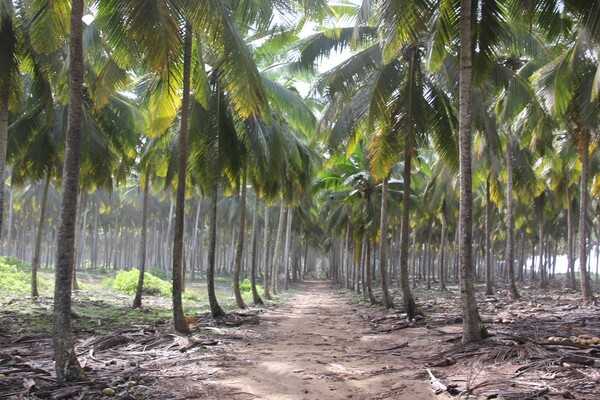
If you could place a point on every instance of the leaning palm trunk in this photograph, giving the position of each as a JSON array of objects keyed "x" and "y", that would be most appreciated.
[
  {"x": 254, "y": 256},
  {"x": 510, "y": 223},
  {"x": 286, "y": 251},
  {"x": 407, "y": 297},
  {"x": 240, "y": 246},
  {"x": 179, "y": 321},
  {"x": 266, "y": 259},
  {"x": 35, "y": 264},
  {"x": 137, "y": 301},
  {"x": 387, "y": 299},
  {"x": 584, "y": 144},
  {"x": 215, "y": 308},
  {"x": 278, "y": 243},
  {"x": 472, "y": 327},
  {"x": 66, "y": 364}
]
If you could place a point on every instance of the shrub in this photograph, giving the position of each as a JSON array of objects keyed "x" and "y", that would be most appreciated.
[
  {"x": 126, "y": 282},
  {"x": 15, "y": 277},
  {"x": 246, "y": 286}
]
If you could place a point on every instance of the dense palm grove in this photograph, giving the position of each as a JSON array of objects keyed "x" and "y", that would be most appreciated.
[{"x": 454, "y": 143}]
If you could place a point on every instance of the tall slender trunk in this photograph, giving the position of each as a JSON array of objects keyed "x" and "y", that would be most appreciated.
[
  {"x": 286, "y": 251},
  {"x": 94, "y": 249},
  {"x": 570, "y": 282},
  {"x": 195, "y": 240},
  {"x": 472, "y": 327},
  {"x": 584, "y": 144},
  {"x": 346, "y": 259},
  {"x": 66, "y": 363},
  {"x": 442, "y": 253},
  {"x": 215, "y": 308},
  {"x": 305, "y": 265},
  {"x": 179, "y": 321},
  {"x": 240, "y": 245},
  {"x": 510, "y": 223},
  {"x": 137, "y": 301},
  {"x": 79, "y": 222},
  {"x": 10, "y": 219},
  {"x": 278, "y": 244},
  {"x": 254, "y": 257},
  {"x": 266, "y": 259},
  {"x": 4, "y": 96},
  {"x": 407, "y": 297},
  {"x": 369, "y": 272},
  {"x": 542, "y": 261},
  {"x": 35, "y": 264},
  {"x": 489, "y": 277},
  {"x": 522, "y": 257},
  {"x": 387, "y": 299},
  {"x": 168, "y": 236},
  {"x": 428, "y": 255}
]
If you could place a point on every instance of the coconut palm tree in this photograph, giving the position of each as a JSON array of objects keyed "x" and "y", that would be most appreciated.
[
  {"x": 566, "y": 85},
  {"x": 66, "y": 364}
]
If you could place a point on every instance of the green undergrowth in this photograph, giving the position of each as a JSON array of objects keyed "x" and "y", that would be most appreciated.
[
  {"x": 126, "y": 282},
  {"x": 15, "y": 277},
  {"x": 103, "y": 303}
]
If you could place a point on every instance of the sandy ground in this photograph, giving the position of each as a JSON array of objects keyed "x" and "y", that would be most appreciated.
[{"x": 316, "y": 346}]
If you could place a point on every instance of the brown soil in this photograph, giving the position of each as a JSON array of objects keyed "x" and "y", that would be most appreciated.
[
  {"x": 319, "y": 344},
  {"x": 316, "y": 346}
]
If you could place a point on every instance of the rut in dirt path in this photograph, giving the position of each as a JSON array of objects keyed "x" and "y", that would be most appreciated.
[{"x": 315, "y": 346}]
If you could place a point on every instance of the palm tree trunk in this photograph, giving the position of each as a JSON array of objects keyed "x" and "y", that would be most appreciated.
[
  {"x": 254, "y": 257},
  {"x": 4, "y": 96},
  {"x": 66, "y": 364},
  {"x": 369, "y": 273},
  {"x": 79, "y": 224},
  {"x": 215, "y": 308},
  {"x": 570, "y": 244},
  {"x": 442, "y": 254},
  {"x": 35, "y": 264},
  {"x": 180, "y": 324},
  {"x": 168, "y": 236},
  {"x": 286, "y": 251},
  {"x": 363, "y": 266},
  {"x": 347, "y": 256},
  {"x": 584, "y": 143},
  {"x": 10, "y": 219},
  {"x": 278, "y": 243},
  {"x": 407, "y": 297},
  {"x": 387, "y": 299},
  {"x": 195, "y": 240},
  {"x": 266, "y": 260},
  {"x": 472, "y": 327},
  {"x": 489, "y": 277},
  {"x": 240, "y": 245},
  {"x": 542, "y": 261},
  {"x": 510, "y": 223},
  {"x": 137, "y": 301}
]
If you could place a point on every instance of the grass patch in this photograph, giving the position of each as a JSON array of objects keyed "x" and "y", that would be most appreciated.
[
  {"x": 246, "y": 286},
  {"x": 126, "y": 282},
  {"x": 15, "y": 277}
]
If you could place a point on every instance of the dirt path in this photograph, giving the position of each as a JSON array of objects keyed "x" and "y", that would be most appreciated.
[{"x": 315, "y": 346}]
